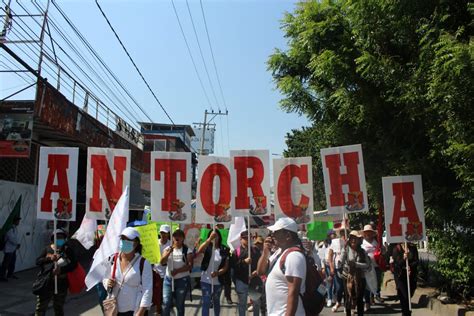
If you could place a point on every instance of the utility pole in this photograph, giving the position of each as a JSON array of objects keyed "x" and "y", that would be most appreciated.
[{"x": 206, "y": 123}]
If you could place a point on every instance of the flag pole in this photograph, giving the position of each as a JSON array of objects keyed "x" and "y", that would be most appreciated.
[
  {"x": 212, "y": 262},
  {"x": 249, "y": 249},
  {"x": 172, "y": 265},
  {"x": 55, "y": 252},
  {"x": 408, "y": 277}
]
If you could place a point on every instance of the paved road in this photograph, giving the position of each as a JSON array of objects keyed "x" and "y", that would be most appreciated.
[{"x": 16, "y": 299}]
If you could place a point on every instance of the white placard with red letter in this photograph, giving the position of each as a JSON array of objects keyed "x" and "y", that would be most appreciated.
[
  {"x": 57, "y": 183},
  {"x": 404, "y": 209},
  {"x": 250, "y": 182},
  {"x": 170, "y": 179},
  {"x": 108, "y": 174},
  {"x": 344, "y": 179},
  {"x": 293, "y": 179},
  {"x": 214, "y": 190}
]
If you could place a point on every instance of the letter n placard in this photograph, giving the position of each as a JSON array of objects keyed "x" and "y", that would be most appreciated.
[
  {"x": 404, "y": 209},
  {"x": 108, "y": 173}
]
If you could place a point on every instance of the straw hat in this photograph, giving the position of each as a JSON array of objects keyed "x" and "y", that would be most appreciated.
[
  {"x": 368, "y": 228},
  {"x": 355, "y": 233}
]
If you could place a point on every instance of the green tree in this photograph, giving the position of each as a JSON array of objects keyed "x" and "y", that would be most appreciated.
[{"x": 396, "y": 77}]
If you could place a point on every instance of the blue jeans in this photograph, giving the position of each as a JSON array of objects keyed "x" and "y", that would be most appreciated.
[
  {"x": 339, "y": 286},
  {"x": 242, "y": 290},
  {"x": 329, "y": 285},
  {"x": 181, "y": 287},
  {"x": 206, "y": 298}
]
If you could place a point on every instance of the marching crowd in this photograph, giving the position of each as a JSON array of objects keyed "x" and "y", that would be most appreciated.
[{"x": 274, "y": 272}]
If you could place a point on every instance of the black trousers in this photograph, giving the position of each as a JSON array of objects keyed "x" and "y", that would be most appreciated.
[
  {"x": 359, "y": 299},
  {"x": 402, "y": 291},
  {"x": 8, "y": 264}
]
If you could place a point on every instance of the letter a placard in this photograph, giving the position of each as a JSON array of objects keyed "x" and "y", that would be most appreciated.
[
  {"x": 344, "y": 179},
  {"x": 250, "y": 182},
  {"x": 57, "y": 183},
  {"x": 171, "y": 186},
  {"x": 213, "y": 191},
  {"x": 404, "y": 209},
  {"x": 293, "y": 178},
  {"x": 108, "y": 174}
]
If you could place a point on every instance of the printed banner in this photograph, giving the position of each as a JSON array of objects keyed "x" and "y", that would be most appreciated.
[
  {"x": 344, "y": 179},
  {"x": 108, "y": 173},
  {"x": 57, "y": 183},
  {"x": 293, "y": 180},
  {"x": 213, "y": 191},
  {"x": 404, "y": 209},
  {"x": 250, "y": 182},
  {"x": 16, "y": 129},
  {"x": 170, "y": 179},
  {"x": 149, "y": 241}
]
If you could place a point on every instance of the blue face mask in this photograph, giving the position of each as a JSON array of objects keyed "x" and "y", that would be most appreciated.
[
  {"x": 60, "y": 242},
  {"x": 126, "y": 246}
]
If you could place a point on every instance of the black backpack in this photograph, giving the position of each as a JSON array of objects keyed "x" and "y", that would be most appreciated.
[{"x": 314, "y": 296}]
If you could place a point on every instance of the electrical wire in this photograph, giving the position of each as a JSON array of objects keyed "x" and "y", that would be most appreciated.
[
  {"x": 133, "y": 62},
  {"x": 202, "y": 55}
]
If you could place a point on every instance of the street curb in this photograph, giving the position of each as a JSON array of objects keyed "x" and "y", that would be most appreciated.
[{"x": 441, "y": 309}]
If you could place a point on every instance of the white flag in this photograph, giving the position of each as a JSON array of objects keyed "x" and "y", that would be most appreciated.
[
  {"x": 110, "y": 243},
  {"x": 86, "y": 232},
  {"x": 233, "y": 239}
]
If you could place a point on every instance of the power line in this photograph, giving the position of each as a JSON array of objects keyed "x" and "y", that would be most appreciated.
[
  {"x": 212, "y": 54},
  {"x": 133, "y": 62},
  {"x": 190, "y": 54},
  {"x": 202, "y": 55}
]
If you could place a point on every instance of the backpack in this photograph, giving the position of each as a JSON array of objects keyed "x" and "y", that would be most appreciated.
[{"x": 315, "y": 290}]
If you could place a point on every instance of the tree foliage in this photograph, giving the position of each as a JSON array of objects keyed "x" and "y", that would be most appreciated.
[{"x": 396, "y": 77}]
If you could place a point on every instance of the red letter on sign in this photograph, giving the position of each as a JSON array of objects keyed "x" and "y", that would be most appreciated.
[
  {"x": 351, "y": 178},
  {"x": 103, "y": 175},
  {"x": 57, "y": 165},
  {"x": 241, "y": 165},
  {"x": 170, "y": 167},
  {"x": 404, "y": 192},
  {"x": 284, "y": 189},
  {"x": 206, "y": 189}
]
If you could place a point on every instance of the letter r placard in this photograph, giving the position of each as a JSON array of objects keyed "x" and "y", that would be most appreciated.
[
  {"x": 57, "y": 183},
  {"x": 404, "y": 208},
  {"x": 344, "y": 179}
]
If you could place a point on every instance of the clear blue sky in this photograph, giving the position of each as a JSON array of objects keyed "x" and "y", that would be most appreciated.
[{"x": 243, "y": 35}]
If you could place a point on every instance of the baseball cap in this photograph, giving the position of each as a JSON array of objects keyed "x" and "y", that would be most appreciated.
[
  {"x": 131, "y": 233},
  {"x": 284, "y": 223},
  {"x": 59, "y": 231},
  {"x": 165, "y": 228}
]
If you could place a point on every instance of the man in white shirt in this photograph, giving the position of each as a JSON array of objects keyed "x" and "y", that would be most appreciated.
[
  {"x": 370, "y": 245},
  {"x": 283, "y": 288},
  {"x": 12, "y": 243},
  {"x": 160, "y": 270}
]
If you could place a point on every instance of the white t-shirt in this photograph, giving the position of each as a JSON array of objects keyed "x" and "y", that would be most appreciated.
[
  {"x": 370, "y": 249},
  {"x": 276, "y": 286},
  {"x": 336, "y": 248},
  {"x": 158, "y": 267},
  {"x": 175, "y": 261},
  {"x": 206, "y": 275}
]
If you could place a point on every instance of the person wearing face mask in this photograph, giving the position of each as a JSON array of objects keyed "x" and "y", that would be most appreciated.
[
  {"x": 133, "y": 283},
  {"x": 59, "y": 259},
  {"x": 160, "y": 270}
]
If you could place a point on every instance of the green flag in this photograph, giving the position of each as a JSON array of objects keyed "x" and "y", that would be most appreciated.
[
  {"x": 224, "y": 233},
  {"x": 318, "y": 230},
  {"x": 9, "y": 222}
]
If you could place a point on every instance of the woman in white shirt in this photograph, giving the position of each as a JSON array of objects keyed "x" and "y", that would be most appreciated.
[
  {"x": 215, "y": 269},
  {"x": 179, "y": 261},
  {"x": 132, "y": 285}
]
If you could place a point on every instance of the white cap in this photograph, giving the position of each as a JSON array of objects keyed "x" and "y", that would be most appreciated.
[
  {"x": 368, "y": 228},
  {"x": 131, "y": 233},
  {"x": 165, "y": 228},
  {"x": 59, "y": 231},
  {"x": 284, "y": 223}
]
